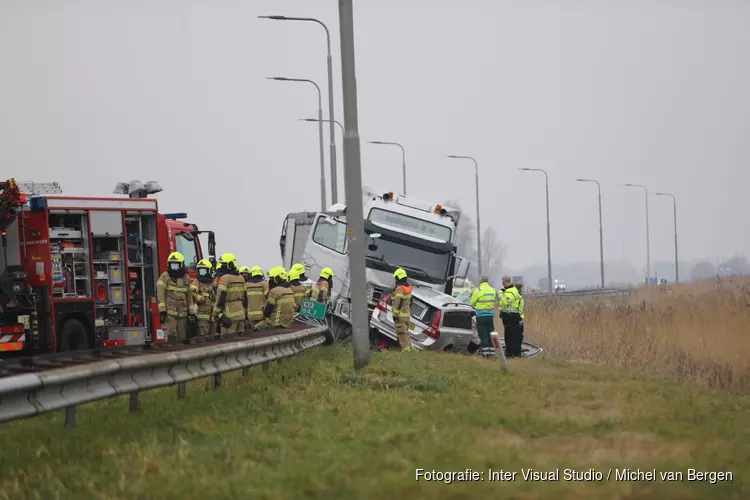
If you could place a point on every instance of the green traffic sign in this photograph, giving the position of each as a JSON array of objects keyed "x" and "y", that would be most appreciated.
[{"x": 312, "y": 309}]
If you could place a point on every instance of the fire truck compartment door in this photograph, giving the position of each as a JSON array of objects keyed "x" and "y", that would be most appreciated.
[{"x": 106, "y": 223}]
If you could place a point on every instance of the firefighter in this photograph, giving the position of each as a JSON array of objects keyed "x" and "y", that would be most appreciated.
[
  {"x": 245, "y": 273},
  {"x": 204, "y": 295},
  {"x": 230, "y": 310},
  {"x": 483, "y": 301},
  {"x": 303, "y": 279},
  {"x": 321, "y": 291},
  {"x": 298, "y": 289},
  {"x": 279, "y": 309},
  {"x": 256, "y": 290},
  {"x": 401, "y": 305},
  {"x": 510, "y": 313},
  {"x": 175, "y": 298}
]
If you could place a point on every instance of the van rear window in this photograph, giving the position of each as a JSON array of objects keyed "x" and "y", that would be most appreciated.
[{"x": 457, "y": 319}]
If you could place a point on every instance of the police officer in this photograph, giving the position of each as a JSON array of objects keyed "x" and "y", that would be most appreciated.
[
  {"x": 401, "y": 306},
  {"x": 510, "y": 313},
  {"x": 256, "y": 290},
  {"x": 321, "y": 291},
  {"x": 204, "y": 295},
  {"x": 230, "y": 310},
  {"x": 174, "y": 298},
  {"x": 279, "y": 309},
  {"x": 483, "y": 300},
  {"x": 295, "y": 284}
]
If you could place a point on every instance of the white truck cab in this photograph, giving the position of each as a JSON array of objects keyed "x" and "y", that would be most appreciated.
[{"x": 400, "y": 232}]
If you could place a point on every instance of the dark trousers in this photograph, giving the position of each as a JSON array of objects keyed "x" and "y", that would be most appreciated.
[
  {"x": 513, "y": 334},
  {"x": 485, "y": 325}
]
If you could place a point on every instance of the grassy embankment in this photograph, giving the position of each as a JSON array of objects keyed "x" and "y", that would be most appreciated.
[
  {"x": 695, "y": 332},
  {"x": 315, "y": 428}
]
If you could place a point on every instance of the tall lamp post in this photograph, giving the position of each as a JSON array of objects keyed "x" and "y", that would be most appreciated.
[
  {"x": 320, "y": 135},
  {"x": 676, "y": 258},
  {"x": 648, "y": 237},
  {"x": 479, "y": 228},
  {"x": 601, "y": 232},
  {"x": 334, "y": 180},
  {"x": 341, "y": 127},
  {"x": 549, "y": 245},
  {"x": 403, "y": 158}
]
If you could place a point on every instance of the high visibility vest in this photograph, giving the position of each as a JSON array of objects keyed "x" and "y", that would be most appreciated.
[
  {"x": 510, "y": 300},
  {"x": 483, "y": 300}
]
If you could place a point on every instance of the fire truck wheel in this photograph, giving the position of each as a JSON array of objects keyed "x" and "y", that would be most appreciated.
[{"x": 74, "y": 336}]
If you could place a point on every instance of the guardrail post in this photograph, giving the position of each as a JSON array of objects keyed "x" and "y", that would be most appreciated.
[
  {"x": 217, "y": 381},
  {"x": 135, "y": 402},
  {"x": 70, "y": 417},
  {"x": 181, "y": 389},
  {"x": 265, "y": 366},
  {"x": 245, "y": 371}
]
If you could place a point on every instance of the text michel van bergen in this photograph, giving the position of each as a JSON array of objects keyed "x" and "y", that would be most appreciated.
[{"x": 573, "y": 475}]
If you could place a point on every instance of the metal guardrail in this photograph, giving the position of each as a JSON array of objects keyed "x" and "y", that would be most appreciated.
[
  {"x": 583, "y": 293},
  {"x": 32, "y": 394}
]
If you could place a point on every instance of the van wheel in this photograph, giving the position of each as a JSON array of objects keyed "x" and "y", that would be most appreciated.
[
  {"x": 448, "y": 348},
  {"x": 74, "y": 336}
]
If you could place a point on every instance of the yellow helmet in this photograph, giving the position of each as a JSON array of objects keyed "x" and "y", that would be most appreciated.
[
  {"x": 228, "y": 260},
  {"x": 244, "y": 270},
  {"x": 294, "y": 274},
  {"x": 204, "y": 263},
  {"x": 275, "y": 271},
  {"x": 256, "y": 271},
  {"x": 326, "y": 273},
  {"x": 399, "y": 274},
  {"x": 176, "y": 257},
  {"x": 299, "y": 268}
]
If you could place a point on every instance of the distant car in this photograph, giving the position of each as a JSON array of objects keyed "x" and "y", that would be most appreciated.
[
  {"x": 439, "y": 322},
  {"x": 559, "y": 286}
]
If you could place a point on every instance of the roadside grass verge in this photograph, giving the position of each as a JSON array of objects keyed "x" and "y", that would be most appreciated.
[
  {"x": 696, "y": 332},
  {"x": 315, "y": 428}
]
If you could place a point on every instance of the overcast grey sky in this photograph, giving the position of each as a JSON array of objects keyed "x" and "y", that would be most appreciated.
[{"x": 648, "y": 92}]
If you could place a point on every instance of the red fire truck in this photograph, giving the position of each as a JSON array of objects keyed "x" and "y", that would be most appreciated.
[{"x": 78, "y": 273}]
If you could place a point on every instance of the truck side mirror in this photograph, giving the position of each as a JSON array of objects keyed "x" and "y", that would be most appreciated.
[{"x": 462, "y": 267}]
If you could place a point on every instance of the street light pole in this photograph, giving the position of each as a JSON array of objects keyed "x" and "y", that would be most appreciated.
[
  {"x": 549, "y": 245},
  {"x": 320, "y": 135},
  {"x": 601, "y": 232},
  {"x": 315, "y": 120},
  {"x": 479, "y": 225},
  {"x": 334, "y": 179},
  {"x": 648, "y": 238},
  {"x": 676, "y": 258},
  {"x": 403, "y": 158},
  {"x": 341, "y": 127},
  {"x": 353, "y": 185}
]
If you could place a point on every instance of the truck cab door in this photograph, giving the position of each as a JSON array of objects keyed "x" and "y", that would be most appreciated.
[
  {"x": 189, "y": 246},
  {"x": 328, "y": 246}
]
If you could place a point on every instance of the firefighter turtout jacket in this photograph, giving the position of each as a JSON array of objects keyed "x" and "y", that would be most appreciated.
[
  {"x": 174, "y": 295},
  {"x": 280, "y": 307},
  {"x": 231, "y": 300},
  {"x": 204, "y": 295},
  {"x": 256, "y": 290}
]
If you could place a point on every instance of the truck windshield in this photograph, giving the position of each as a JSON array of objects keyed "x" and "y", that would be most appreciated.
[{"x": 420, "y": 264}]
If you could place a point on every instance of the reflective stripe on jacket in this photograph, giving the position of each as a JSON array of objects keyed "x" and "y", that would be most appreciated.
[
  {"x": 299, "y": 294},
  {"x": 256, "y": 291},
  {"x": 204, "y": 296},
  {"x": 281, "y": 306},
  {"x": 510, "y": 300},
  {"x": 230, "y": 297},
  {"x": 174, "y": 295},
  {"x": 401, "y": 302},
  {"x": 320, "y": 292},
  {"x": 483, "y": 300}
]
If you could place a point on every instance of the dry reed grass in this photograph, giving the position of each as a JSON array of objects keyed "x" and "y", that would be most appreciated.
[{"x": 697, "y": 332}]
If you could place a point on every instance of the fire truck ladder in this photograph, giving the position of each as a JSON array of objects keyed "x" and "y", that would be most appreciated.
[{"x": 13, "y": 196}]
